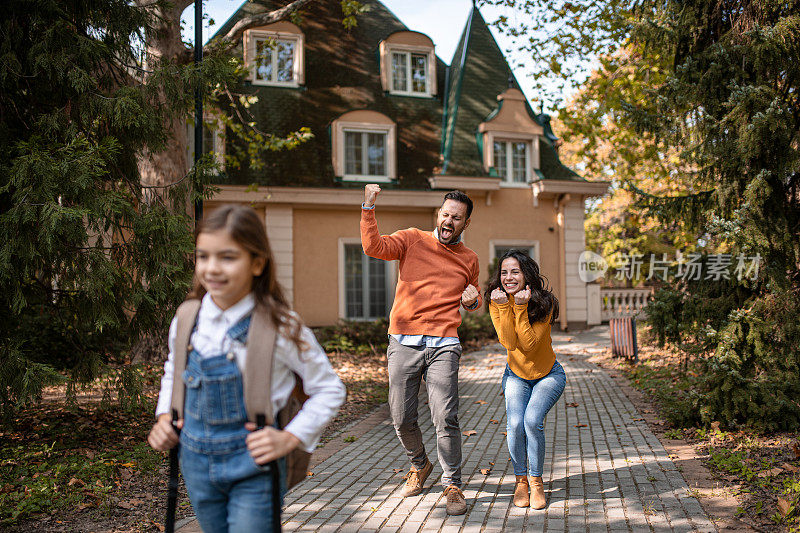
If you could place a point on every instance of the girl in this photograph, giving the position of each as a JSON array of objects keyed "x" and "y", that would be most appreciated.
[
  {"x": 523, "y": 309},
  {"x": 221, "y": 454}
]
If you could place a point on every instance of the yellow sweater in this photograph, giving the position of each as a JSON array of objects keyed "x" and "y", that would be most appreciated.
[{"x": 530, "y": 349}]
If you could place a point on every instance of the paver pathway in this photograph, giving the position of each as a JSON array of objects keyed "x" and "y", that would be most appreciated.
[{"x": 605, "y": 470}]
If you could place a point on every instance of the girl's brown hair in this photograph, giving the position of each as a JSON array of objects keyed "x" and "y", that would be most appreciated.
[{"x": 247, "y": 229}]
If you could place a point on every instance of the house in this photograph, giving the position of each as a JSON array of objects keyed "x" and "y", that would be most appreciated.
[{"x": 384, "y": 108}]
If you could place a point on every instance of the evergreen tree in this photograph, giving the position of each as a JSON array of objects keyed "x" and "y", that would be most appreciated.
[
  {"x": 86, "y": 265},
  {"x": 731, "y": 102}
]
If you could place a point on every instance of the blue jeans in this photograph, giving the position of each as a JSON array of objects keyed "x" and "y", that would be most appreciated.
[
  {"x": 527, "y": 403},
  {"x": 229, "y": 492}
]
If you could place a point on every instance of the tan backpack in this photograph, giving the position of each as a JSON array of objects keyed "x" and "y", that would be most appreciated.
[{"x": 256, "y": 378}]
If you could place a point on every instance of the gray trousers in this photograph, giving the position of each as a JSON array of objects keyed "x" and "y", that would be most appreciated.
[{"x": 439, "y": 366}]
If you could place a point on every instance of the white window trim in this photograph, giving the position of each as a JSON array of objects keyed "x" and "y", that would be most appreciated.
[
  {"x": 391, "y": 154},
  {"x": 516, "y": 243},
  {"x": 430, "y": 76},
  {"x": 391, "y": 280},
  {"x": 531, "y": 155},
  {"x": 298, "y": 74}
]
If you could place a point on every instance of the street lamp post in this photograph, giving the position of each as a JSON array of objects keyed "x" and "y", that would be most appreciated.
[{"x": 198, "y": 99}]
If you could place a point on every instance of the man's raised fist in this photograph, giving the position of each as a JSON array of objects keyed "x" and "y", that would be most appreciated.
[{"x": 371, "y": 192}]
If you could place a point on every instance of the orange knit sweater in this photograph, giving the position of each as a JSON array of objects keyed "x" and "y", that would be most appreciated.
[
  {"x": 432, "y": 277},
  {"x": 530, "y": 347}
]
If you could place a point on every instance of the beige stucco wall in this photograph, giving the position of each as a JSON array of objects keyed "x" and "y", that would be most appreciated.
[
  {"x": 316, "y": 253},
  {"x": 511, "y": 216},
  {"x": 317, "y": 230}
]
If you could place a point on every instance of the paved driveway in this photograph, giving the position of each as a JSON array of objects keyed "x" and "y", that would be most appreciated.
[{"x": 605, "y": 470}]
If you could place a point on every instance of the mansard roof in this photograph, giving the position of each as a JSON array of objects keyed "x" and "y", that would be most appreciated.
[{"x": 435, "y": 135}]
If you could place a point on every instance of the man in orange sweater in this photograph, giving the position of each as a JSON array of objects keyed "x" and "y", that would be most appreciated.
[{"x": 438, "y": 274}]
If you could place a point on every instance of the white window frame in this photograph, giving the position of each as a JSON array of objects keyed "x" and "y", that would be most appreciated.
[
  {"x": 390, "y": 130},
  {"x": 408, "y": 50},
  {"x": 391, "y": 280},
  {"x": 253, "y": 36},
  {"x": 514, "y": 243},
  {"x": 531, "y": 155}
]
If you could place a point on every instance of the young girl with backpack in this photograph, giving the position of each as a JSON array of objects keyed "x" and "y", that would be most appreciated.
[
  {"x": 226, "y": 459},
  {"x": 523, "y": 309}
]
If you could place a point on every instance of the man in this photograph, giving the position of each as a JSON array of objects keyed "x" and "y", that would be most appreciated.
[{"x": 437, "y": 274}]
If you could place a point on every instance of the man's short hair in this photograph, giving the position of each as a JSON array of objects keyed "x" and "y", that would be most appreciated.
[{"x": 462, "y": 197}]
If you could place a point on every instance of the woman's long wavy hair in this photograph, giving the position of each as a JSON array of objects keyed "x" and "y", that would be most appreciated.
[
  {"x": 543, "y": 302},
  {"x": 247, "y": 229}
]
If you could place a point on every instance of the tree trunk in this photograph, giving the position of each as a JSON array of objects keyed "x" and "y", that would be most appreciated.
[{"x": 170, "y": 165}]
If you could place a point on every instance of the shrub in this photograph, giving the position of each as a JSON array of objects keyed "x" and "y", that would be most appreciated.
[{"x": 753, "y": 377}]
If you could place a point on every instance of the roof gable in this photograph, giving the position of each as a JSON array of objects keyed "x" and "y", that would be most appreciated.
[{"x": 479, "y": 73}]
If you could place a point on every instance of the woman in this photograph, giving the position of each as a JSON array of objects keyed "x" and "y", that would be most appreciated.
[{"x": 523, "y": 309}]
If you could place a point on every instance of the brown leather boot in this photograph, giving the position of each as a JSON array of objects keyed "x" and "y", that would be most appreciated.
[
  {"x": 537, "y": 493},
  {"x": 521, "y": 498}
]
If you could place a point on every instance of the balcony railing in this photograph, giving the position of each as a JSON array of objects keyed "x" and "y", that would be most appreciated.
[{"x": 619, "y": 303}]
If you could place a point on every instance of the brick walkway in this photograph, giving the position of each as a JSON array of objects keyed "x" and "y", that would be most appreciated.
[{"x": 605, "y": 470}]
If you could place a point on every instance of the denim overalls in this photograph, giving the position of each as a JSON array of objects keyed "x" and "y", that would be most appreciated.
[{"x": 228, "y": 490}]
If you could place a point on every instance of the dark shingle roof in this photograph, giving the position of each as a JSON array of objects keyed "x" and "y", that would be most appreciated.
[
  {"x": 479, "y": 72},
  {"x": 343, "y": 74}
]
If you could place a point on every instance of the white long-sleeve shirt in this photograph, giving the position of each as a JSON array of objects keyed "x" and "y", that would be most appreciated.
[{"x": 324, "y": 388}]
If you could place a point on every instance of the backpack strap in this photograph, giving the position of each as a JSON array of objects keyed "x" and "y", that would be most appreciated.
[
  {"x": 258, "y": 367},
  {"x": 186, "y": 316}
]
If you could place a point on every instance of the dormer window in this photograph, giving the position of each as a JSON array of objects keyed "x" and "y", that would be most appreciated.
[
  {"x": 363, "y": 146},
  {"x": 511, "y": 160},
  {"x": 274, "y": 60},
  {"x": 408, "y": 64},
  {"x": 410, "y": 73},
  {"x": 510, "y": 140},
  {"x": 274, "y": 55}
]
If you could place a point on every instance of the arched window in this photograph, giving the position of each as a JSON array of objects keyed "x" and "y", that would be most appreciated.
[
  {"x": 510, "y": 141},
  {"x": 364, "y": 146},
  {"x": 408, "y": 64},
  {"x": 274, "y": 55}
]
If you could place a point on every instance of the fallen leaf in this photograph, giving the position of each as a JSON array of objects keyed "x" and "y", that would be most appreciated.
[
  {"x": 790, "y": 467},
  {"x": 481, "y": 402},
  {"x": 485, "y": 471},
  {"x": 469, "y": 432},
  {"x": 493, "y": 421},
  {"x": 637, "y": 419},
  {"x": 396, "y": 470},
  {"x": 715, "y": 426},
  {"x": 491, "y": 463},
  {"x": 581, "y": 425},
  {"x": 75, "y": 481},
  {"x": 309, "y": 474},
  {"x": 784, "y": 506},
  {"x": 573, "y": 404},
  {"x": 160, "y": 527},
  {"x": 796, "y": 449},
  {"x": 770, "y": 473}
]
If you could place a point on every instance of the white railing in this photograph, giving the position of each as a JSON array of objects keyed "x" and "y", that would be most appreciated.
[{"x": 619, "y": 303}]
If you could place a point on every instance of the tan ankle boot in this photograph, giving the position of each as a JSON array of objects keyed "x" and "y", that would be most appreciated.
[
  {"x": 537, "y": 493},
  {"x": 521, "y": 498}
]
